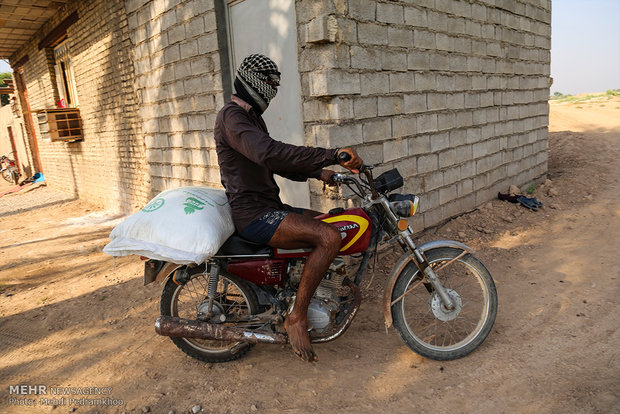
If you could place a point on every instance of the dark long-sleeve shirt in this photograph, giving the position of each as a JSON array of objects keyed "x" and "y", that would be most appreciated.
[{"x": 248, "y": 158}]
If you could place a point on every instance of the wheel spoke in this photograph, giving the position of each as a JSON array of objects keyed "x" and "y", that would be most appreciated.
[
  {"x": 200, "y": 279},
  {"x": 193, "y": 293},
  {"x": 420, "y": 320}
]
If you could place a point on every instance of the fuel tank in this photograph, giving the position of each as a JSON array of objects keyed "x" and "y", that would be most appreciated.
[{"x": 355, "y": 229}]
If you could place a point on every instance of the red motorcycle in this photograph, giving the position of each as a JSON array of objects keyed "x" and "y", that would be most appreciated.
[
  {"x": 440, "y": 298},
  {"x": 9, "y": 170}
]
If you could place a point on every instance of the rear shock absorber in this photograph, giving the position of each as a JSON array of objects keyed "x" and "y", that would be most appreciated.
[{"x": 214, "y": 276}]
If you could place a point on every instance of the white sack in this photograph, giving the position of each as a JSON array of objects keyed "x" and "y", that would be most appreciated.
[{"x": 183, "y": 225}]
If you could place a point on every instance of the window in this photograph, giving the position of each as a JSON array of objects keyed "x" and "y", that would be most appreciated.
[
  {"x": 60, "y": 124},
  {"x": 65, "y": 79}
]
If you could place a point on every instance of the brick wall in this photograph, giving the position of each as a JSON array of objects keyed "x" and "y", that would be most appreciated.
[
  {"x": 108, "y": 166},
  {"x": 179, "y": 82},
  {"x": 452, "y": 93}
]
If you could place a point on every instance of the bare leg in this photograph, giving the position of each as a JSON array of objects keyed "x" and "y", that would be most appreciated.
[{"x": 298, "y": 231}]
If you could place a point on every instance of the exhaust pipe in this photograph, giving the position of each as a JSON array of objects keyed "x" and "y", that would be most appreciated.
[{"x": 187, "y": 328}]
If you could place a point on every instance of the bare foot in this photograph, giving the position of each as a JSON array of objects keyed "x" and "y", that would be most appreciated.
[{"x": 299, "y": 339}]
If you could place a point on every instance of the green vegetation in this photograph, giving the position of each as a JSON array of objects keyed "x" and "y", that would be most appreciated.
[
  {"x": 4, "y": 99},
  {"x": 531, "y": 188},
  {"x": 559, "y": 95},
  {"x": 595, "y": 97}
]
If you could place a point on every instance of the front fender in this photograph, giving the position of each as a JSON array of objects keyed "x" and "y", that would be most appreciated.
[{"x": 403, "y": 262}]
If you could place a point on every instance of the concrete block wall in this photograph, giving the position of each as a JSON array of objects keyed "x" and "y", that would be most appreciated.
[
  {"x": 108, "y": 166},
  {"x": 453, "y": 93},
  {"x": 179, "y": 84}
]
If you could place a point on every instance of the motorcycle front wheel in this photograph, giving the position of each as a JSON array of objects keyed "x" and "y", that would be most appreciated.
[
  {"x": 422, "y": 321},
  {"x": 6, "y": 174},
  {"x": 234, "y": 297}
]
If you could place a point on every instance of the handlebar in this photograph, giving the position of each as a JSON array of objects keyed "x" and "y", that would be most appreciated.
[
  {"x": 365, "y": 169},
  {"x": 344, "y": 157},
  {"x": 340, "y": 178}
]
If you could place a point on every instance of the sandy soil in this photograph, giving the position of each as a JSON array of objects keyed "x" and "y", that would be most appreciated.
[{"x": 70, "y": 316}]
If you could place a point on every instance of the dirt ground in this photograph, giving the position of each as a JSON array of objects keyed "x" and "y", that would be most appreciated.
[{"x": 72, "y": 317}]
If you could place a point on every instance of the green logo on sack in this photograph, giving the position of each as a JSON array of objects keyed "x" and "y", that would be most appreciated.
[
  {"x": 192, "y": 204},
  {"x": 154, "y": 205}
]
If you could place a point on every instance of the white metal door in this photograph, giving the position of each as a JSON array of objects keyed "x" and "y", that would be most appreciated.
[{"x": 269, "y": 27}]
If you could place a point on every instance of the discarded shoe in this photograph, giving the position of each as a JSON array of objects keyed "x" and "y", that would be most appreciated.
[{"x": 531, "y": 203}]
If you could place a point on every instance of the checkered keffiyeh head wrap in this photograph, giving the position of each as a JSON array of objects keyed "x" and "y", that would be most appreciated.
[{"x": 260, "y": 78}]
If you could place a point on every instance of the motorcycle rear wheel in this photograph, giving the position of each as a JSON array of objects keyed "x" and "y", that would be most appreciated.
[
  {"x": 234, "y": 296},
  {"x": 15, "y": 177},
  {"x": 425, "y": 325}
]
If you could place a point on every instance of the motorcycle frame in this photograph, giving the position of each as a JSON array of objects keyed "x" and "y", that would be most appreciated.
[{"x": 413, "y": 253}]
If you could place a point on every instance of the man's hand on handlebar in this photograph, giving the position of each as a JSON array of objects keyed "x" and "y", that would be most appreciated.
[
  {"x": 348, "y": 158},
  {"x": 327, "y": 176}
]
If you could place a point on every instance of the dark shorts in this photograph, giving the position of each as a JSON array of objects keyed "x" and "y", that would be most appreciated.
[{"x": 262, "y": 229}]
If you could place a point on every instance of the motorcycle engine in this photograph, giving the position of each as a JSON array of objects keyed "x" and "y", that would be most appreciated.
[
  {"x": 324, "y": 304},
  {"x": 320, "y": 315}
]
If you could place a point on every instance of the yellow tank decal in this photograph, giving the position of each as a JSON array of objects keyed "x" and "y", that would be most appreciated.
[{"x": 360, "y": 221}]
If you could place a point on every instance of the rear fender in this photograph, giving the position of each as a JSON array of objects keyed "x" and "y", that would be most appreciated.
[
  {"x": 403, "y": 262},
  {"x": 155, "y": 272}
]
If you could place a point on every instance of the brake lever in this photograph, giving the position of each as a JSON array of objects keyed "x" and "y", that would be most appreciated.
[{"x": 366, "y": 169}]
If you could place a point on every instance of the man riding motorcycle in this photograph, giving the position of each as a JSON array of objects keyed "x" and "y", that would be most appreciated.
[{"x": 248, "y": 158}]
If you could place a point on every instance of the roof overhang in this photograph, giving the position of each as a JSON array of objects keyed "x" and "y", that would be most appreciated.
[{"x": 21, "y": 19}]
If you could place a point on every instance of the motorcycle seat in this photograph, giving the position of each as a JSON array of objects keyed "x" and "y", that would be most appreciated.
[{"x": 238, "y": 246}]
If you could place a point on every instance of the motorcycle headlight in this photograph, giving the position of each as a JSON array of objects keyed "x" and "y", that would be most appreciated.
[{"x": 406, "y": 207}]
